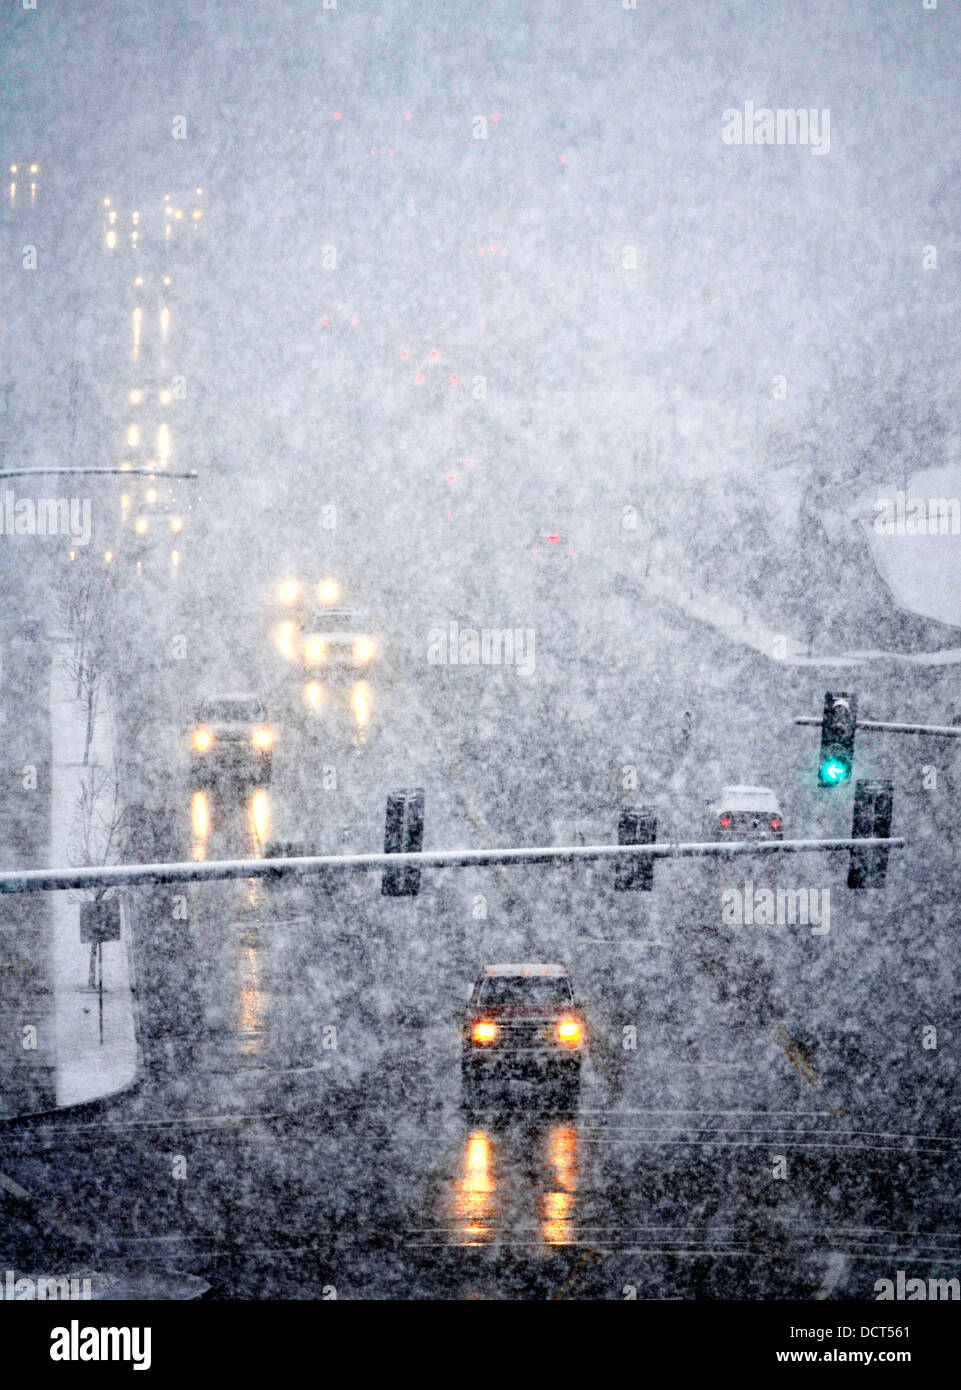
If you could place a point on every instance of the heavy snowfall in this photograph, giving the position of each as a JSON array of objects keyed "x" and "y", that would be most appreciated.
[{"x": 452, "y": 431}]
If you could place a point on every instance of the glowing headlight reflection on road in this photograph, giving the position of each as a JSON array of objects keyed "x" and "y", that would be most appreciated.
[
  {"x": 259, "y": 820},
  {"x": 200, "y": 823},
  {"x": 361, "y": 703},
  {"x": 475, "y": 1193},
  {"x": 558, "y": 1204}
]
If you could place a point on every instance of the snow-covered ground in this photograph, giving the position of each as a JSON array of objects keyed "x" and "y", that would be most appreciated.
[
  {"x": 86, "y": 1069},
  {"x": 920, "y": 565},
  {"x": 740, "y": 625}
]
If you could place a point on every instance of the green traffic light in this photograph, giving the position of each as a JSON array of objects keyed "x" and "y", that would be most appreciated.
[{"x": 834, "y": 772}]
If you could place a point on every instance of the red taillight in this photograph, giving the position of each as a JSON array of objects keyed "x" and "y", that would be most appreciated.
[
  {"x": 553, "y": 540},
  {"x": 725, "y": 821},
  {"x": 775, "y": 825}
]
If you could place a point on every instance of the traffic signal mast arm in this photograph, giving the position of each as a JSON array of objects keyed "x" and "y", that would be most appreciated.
[
  {"x": 123, "y": 875},
  {"x": 936, "y": 730},
  {"x": 86, "y": 470}
]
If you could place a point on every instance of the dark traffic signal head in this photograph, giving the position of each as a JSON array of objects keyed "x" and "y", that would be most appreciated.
[
  {"x": 838, "y": 726},
  {"x": 637, "y": 825},
  {"x": 873, "y": 803},
  {"x": 403, "y": 834}
]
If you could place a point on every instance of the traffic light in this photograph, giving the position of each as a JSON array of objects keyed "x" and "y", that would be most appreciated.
[
  {"x": 872, "y": 820},
  {"x": 838, "y": 725},
  {"x": 403, "y": 834},
  {"x": 636, "y": 825}
]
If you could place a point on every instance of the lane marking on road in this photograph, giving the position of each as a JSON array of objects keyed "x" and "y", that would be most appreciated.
[
  {"x": 39, "y": 1210},
  {"x": 835, "y": 1268},
  {"x": 14, "y": 1188}
]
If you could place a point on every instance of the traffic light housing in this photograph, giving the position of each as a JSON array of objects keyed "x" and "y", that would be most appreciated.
[
  {"x": 873, "y": 802},
  {"x": 636, "y": 825},
  {"x": 403, "y": 834},
  {"x": 838, "y": 727}
]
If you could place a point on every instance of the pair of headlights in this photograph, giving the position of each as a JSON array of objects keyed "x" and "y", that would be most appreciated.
[
  {"x": 262, "y": 739},
  {"x": 567, "y": 1031}
]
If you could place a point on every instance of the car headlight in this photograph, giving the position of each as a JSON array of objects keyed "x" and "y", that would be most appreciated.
[
  {"x": 363, "y": 649},
  {"x": 288, "y": 593},
  {"x": 328, "y": 591},
  {"x": 484, "y": 1031},
  {"x": 569, "y": 1032},
  {"x": 315, "y": 650},
  {"x": 202, "y": 740},
  {"x": 263, "y": 739}
]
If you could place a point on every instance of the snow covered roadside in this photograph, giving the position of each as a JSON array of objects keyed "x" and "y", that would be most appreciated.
[
  {"x": 734, "y": 623},
  {"x": 86, "y": 1069},
  {"x": 914, "y": 536}
]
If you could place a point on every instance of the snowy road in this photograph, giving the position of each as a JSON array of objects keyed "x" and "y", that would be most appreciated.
[{"x": 302, "y": 1049}]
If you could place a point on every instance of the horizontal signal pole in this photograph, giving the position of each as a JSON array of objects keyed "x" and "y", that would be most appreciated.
[
  {"x": 936, "y": 730},
  {"x": 126, "y": 875},
  {"x": 85, "y": 471}
]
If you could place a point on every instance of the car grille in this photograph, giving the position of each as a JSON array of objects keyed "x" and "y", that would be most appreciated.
[{"x": 524, "y": 1033}]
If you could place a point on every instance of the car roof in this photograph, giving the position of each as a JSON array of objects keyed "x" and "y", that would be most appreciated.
[
  {"x": 231, "y": 698},
  {"x": 526, "y": 968},
  {"x": 735, "y": 797}
]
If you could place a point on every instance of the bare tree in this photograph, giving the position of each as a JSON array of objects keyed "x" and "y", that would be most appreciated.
[
  {"x": 97, "y": 832},
  {"x": 87, "y": 610}
]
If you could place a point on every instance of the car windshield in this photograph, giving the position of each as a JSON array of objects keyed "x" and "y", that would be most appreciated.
[
  {"x": 233, "y": 712},
  {"x": 550, "y": 991}
]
